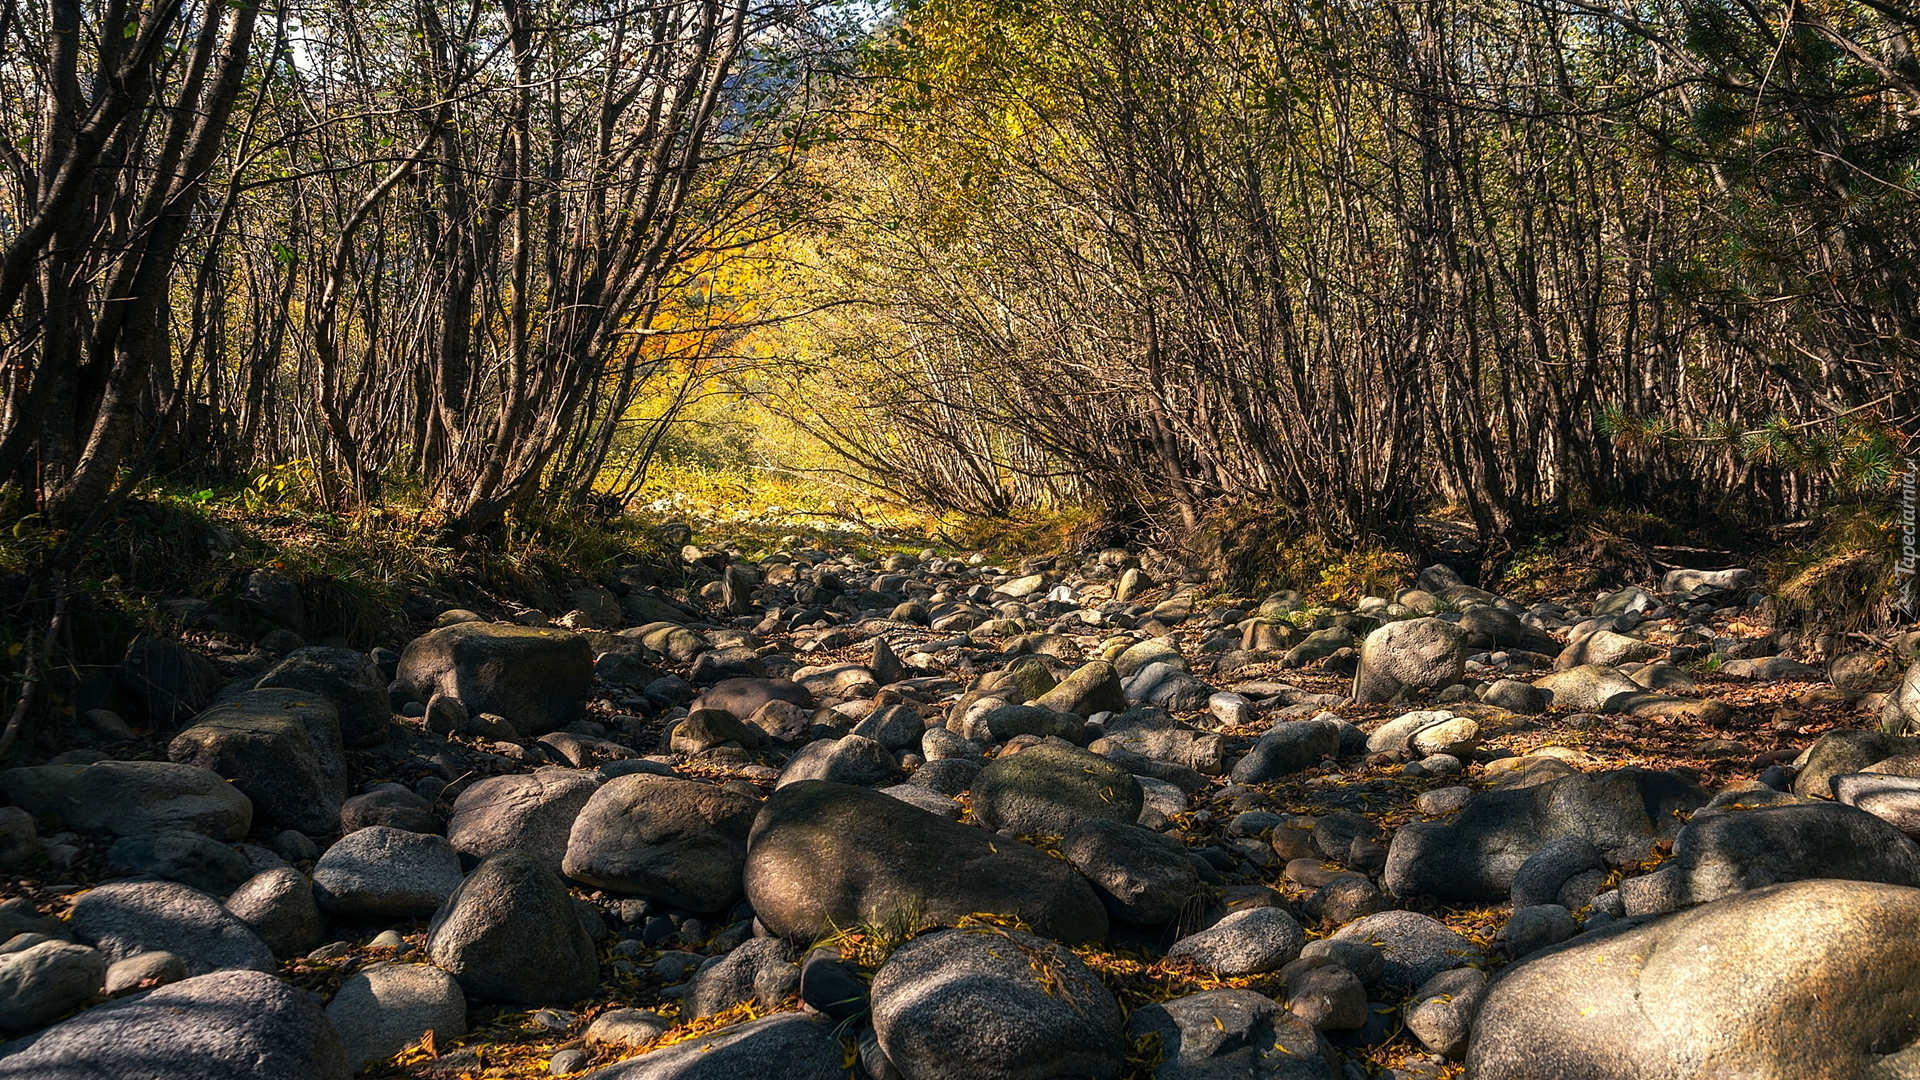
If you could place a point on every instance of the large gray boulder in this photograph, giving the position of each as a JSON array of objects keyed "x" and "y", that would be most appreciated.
[
  {"x": 383, "y": 1009},
  {"x": 1415, "y": 654},
  {"x": 132, "y": 798},
  {"x": 823, "y": 857},
  {"x": 537, "y": 679},
  {"x": 1232, "y": 1035},
  {"x": 1814, "y": 980},
  {"x": 1725, "y": 851},
  {"x": 678, "y": 842},
  {"x": 526, "y": 812},
  {"x": 1475, "y": 854},
  {"x": 382, "y": 872},
  {"x": 965, "y": 1004},
  {"x": 231, "y": 1025},
  {"x": 510, "y": 934},
  {"x": 785, "y": 1046},
  {"x": 1143, "y": 877},
  {"x": 1049, "y": 788},
  {"x": 281, "y": 748},
  {"x": 348, "y": 679},
  {"x": 127, "y": 918}
]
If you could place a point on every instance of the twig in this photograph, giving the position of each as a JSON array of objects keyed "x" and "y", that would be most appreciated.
[{"x": 37, "y": 659}]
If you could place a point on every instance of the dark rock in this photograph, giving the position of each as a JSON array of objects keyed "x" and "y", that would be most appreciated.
[
  {"x": 380, "y": 872},
  {"x": 826, "y": 856},
  {"x": 761, "y": 970},
  {"x": 537, "y": 679},
  {"x": 745, "y": 696},
  {"x": 383, "y": 1009},
  {"x": 42, "y": 981},
  {"x": 833, "y": 987},
  {"x": 531, "y": 813},
  {"x": 164, "y": 681},
  {"x": 281, "y": 748},
  {"x": 132, "y": 798},
  {"x": 1091, "y": 688},
  {"x": 1440, "y": 1013},
  {"x": 128, "y": 918},
  {"x": 1531, "y": 929},
  {"x": 1475, "y": 855},
  {"x": 675, "y": 841},
  {"x": 349, "y": 680},
  {"x": 186, "y": 857},
  {"x": 392, "y": 805},
  {"x": 1728, "y": 851},
  {"x": 1414, "y": 947},
  {"x": 1232, "y": 1035},
  {"x": 1144, "y": 878},
  {"x": 1287, "y": 748},
  {"x": 1246, "y": 942},
  {"x": 1048, "y": 789},
  {"x": 1325, "y": 994},
  {"x": 278, "y": 905},
  {"x": 510, "y": 934},
  {"x": 965, "y": 1004},
  {"x": 850, "y": 759},
  {"x": 232, "y": 1025},
  {"x": 1540, "y": 878}
]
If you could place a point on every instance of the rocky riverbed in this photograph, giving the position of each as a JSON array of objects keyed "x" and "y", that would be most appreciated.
[{"x": 939, "y": 818}]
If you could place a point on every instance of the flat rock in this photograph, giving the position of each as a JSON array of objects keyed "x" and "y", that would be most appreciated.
[
  {"x": 823, "y": 856},
  {"x": 787, "y": 1046},
  {"x": 531, "y": 813},
  {"x": 1246, "y": 942},
  {"x": 231, "y": 1025},
  {"x": 1232, "y": 1035},
  {"x": 127, "y": 918},
  {"x": 380, "y": 872},
  {"x": 1050, "y": 788},
  {"x": 1414, "y": 947},
  {"x": 538, "y": 679},
  {"x": 132, "y": 798}
]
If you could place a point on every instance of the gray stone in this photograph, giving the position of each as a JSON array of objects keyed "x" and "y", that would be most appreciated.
[
  {"x": 392, "y": 805},
  {"x": 1232, "y": 1035},
  {"x": 1325, "y": 994},
  {"x": 1825, "y": 980},
  {"x": 380, "y": 872},
  {"x": 822, "y": 857},
  {"x": 1605, "y": 648},
  {"x": 1893, "y": 799},
  {"x": 679, "y": 842},
  {"x": 1587, "y": 688},
  {"x": 964, "y": 1004},
  {"x": 1365, "y": 960},
  {"x": 704, "y": 729},
  {"x": 1168, "y": 687},
  {"x": 627, "y": 1029},
  {"x": 127, "y": 918},
  {"x": 787, "y": 1046},
  {"x": 1144, "y": 878},
  {"x": 279, "y": 905},
  {"x": 383, "y": 1009},
  {"x": 1722, "y": 852},
  {"x": 186, "y": 857},
  {"x": 850, "y": 759},
  {"x": 1440, "y": 1013},
  {"x": 897, "y": 727},
  {"x": 1247, "y": 942},
  {"x": 531, "y": 813},
  {"x": 762, "y": 969},
  {"x": 1844, "y": 751},
  {"x": 537, "y": 679},
  {"x": 144, "y": 971},
  {"x": 348, "y": 679},
  {"x": 510, "y": 934},
  {"x": 746, "y": 696},
  {"x": 1475, "y": 855},
  {"x": 1048, "y": 789},
  {"x": 1540, "y": 879},
  {"x": 40, "y": 983},
  {"x": 1414, "y": 947},
  {"x": 1287, "y": 748},
  {"x": 1530, "y": 929},
  {"x": 132, "y": 798},
  {"x": 1415, "y": 654},
  {"x": 1152, "y": 733},
  {"x": 231, "y": 1025},
  {"x": 281, "y": 748}
]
